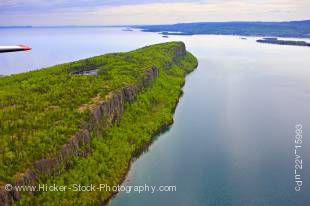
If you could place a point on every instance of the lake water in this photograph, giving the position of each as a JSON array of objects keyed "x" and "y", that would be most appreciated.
[{"x": 232, "y": 142}]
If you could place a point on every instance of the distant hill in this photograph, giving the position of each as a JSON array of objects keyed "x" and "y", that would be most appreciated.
[{"x": 277, "y": 29}]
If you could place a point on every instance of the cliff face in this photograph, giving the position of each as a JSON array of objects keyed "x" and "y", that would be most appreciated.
[{"x": 104, "y": 114}]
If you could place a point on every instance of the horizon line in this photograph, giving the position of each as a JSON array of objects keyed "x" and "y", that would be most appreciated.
[{"x": 132, "y": 25}]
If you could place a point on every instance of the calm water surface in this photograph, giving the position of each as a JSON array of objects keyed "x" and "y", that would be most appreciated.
[
  {"x": 52, "y": 46},
  {"x": 232, "y": 142}
]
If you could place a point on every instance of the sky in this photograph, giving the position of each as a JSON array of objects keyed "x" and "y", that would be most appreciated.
[{"x": 135, "y": 12}]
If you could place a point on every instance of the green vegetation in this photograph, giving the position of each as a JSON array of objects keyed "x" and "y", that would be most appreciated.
[{"x": 40, "y": 111}]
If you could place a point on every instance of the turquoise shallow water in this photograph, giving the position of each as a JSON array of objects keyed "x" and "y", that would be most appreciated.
[{"x": 232, "y": 142}]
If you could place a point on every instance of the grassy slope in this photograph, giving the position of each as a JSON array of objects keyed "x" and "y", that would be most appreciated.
[{"x": 45, "y": 102}]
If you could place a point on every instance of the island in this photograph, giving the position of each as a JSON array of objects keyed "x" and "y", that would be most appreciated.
[
  {"x": 62, "y": 126},
  {"x": 283, "y": 42},
  {"x": 127, "y": 29},
  {"x": 173, "y": 33}
]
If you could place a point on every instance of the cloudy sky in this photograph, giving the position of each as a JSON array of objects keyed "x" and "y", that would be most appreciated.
[{"x": 121, "y": 12}]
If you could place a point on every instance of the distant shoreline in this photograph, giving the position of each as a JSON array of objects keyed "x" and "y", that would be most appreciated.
[{"x": 290, "y": 29}]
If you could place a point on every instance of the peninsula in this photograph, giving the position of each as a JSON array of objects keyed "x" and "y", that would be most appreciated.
[{"x": 68, "y": 125}]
